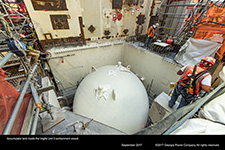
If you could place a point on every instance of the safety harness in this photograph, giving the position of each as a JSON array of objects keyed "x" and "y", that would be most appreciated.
[{"x": 191, "y": 83}]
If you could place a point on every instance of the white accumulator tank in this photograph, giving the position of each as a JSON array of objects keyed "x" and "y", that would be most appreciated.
[{"x": 114, "y": 96}]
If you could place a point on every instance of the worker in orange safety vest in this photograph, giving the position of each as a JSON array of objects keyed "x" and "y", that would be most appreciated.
[
  {"x": 193, "y": 79},
  {"x": 150, "y": 34}
]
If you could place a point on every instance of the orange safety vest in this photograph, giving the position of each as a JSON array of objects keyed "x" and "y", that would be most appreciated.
[
  {"x": 188, "y": 72},
  {"x": 151, "y": 31}
]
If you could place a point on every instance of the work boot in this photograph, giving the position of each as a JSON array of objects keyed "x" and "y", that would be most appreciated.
[{"x": 170, "y": 105}]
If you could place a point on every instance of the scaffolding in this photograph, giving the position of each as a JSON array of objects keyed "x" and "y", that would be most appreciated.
[
  {"x": 16, "y": 16},
  {"x": 177, "y": 18},
  {"x": 15, "y": 39},
  {"x": 37, "y": 97}
]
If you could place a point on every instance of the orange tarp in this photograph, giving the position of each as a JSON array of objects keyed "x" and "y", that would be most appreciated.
[
  {"x": 8, "y": 98},
  {"x": 211, "y": 31}
]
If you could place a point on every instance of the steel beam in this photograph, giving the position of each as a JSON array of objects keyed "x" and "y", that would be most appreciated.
[{"x": 175, "y": 5}]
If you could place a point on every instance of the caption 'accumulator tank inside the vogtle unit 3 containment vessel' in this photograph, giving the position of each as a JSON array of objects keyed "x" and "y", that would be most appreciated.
[{"x": 114, "y": 96}]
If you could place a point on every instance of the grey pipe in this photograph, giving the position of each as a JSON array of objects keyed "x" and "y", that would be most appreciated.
[
  {"x": 182, "y": 14},
  {"x": 12, "y": 118},
  {"x": 174, "y": 5},
  {"x": 6, "y": 26},
  {"x": 15, "y": 77},
  {"x": 5, "y": 59},
  {"x": 34, "y": 93},
  {"x": 34, "y": 125},
  {"x": 62, "y": 56}
]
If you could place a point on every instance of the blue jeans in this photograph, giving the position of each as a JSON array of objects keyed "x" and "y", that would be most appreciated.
[
  {"x": 179, "y": 90},
  {"x": 148, "y": 41}
]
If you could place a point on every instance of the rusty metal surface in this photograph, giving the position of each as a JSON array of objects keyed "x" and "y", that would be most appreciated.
[
  {"x": 91, "y": 28},
  {"x": 59, "y": 22},
  {"x": 82, "y": 29},
  {"x": 74, "y": 41},
  {"x": 117, "y": 4},
  {"x": 48, "y": 37},
  {"x": 53, "y": 5}
]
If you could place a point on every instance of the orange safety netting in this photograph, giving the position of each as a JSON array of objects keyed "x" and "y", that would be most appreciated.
[
  {"x": 212, "y": 31},
  {"x": 8, "y": 98}
]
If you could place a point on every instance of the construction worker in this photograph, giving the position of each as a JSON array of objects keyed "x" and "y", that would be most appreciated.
[
  {"x": 150, "y": 34},
  {"x": 193, "y": 79}
]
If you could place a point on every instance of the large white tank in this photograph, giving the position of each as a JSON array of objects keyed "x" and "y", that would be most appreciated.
[{"x": 114, "y": 96}]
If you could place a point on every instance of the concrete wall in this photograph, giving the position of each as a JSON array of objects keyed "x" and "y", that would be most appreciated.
[
  {"x": 42, "y": 23},
  {"x": 78, "y": 66},
  {"x": 144, "y": 63},
  {"x": 98, "y": 13},
  {"x": 150, "y": 66}
]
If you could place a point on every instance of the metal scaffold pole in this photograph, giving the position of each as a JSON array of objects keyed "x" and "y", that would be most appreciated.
[
  {"x": 4, "y": 60},
  {"x": 12, "y": 118}
]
